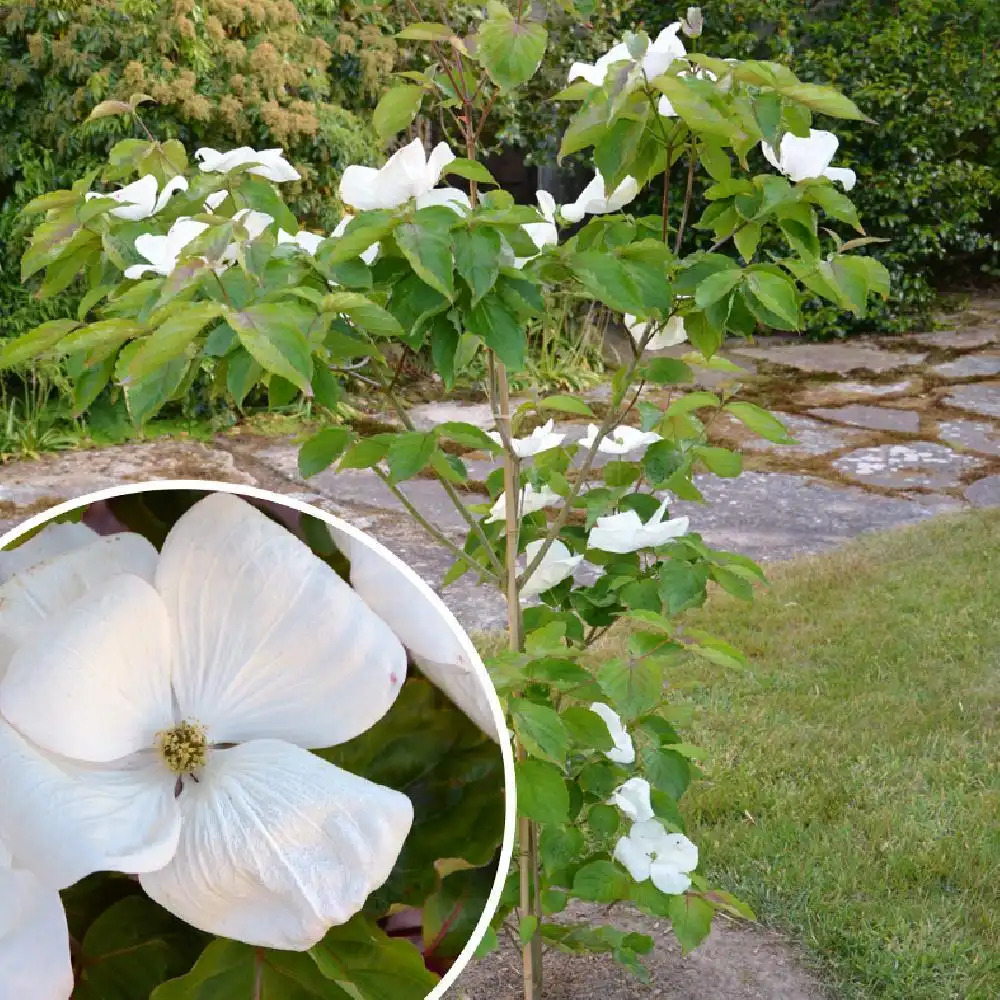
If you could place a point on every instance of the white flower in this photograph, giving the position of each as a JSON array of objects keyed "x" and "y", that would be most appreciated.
[
  {"x": 594, "y": 199},
  {"x": 454, "y": 198},
  {"x": 619, "y": 441},
  {"x": 139, "y": 199},
  {"x": 162, "y": 252},
  {"x": 659, "y": 55},
  {"x": 215, "y": 199},
  {"x": 801, "y": 159},
  {"x": 633, "y": 800},
  {"x": 540, "y": 439},
  {"x": 370, "y": 254},
  {"x": 649, "y": 852},
  {"x": 623, "y": 751},
  {"x": 556, "y": 565},
  {"x": 671, "y": 335},
  {"x": 408, "y": 173},
  {"x": 160, "y": 723},
  {"x": 625, "y": 532},
  {"x": 530, "y": 502},
  {"x": 34, "y": 939},
  {"x": 545, "y": 233},
  {"x": 52, "y": 540},
  {"x": 303, "y": 239},
  {"x": 268, "y": 163},
  {"x": 422, "y": 624}
]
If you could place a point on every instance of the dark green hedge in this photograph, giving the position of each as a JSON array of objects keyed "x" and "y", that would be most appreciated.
[{"x": 928, "y": 71}]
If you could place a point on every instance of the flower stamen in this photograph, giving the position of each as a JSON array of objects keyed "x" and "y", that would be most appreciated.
[{"x": 183, "y": 748}]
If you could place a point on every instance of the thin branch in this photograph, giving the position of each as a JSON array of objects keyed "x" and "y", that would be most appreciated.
[
  {"x": 435, "y": 533},
  {"x": 688, "y": 195}
]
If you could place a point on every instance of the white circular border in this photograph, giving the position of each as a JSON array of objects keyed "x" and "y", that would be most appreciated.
[{"x": 510, "y": 810}]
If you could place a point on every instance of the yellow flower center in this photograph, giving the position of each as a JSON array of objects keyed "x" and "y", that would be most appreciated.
[{"x": 184, "y": 748}]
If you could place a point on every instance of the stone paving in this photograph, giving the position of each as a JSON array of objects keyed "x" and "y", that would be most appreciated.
[{"x": 889, "y": 431}]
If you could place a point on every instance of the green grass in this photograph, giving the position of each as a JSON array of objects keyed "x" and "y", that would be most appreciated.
[{"x": 854, "y": 789}]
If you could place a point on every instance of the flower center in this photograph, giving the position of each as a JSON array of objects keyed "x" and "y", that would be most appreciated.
[{"x": 184, "y": 748}]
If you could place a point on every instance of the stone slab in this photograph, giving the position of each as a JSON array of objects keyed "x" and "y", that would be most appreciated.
[
  {"x": 428, "y": 415},
  {"x": 874, "y": 418},
  {"x": 833, "y": 358},
  {"x": 969, "y": 366},
  {"x": 959, "y": 340},
  {"x": 984, "y": 492},
  {"x": 776, "y": 515},
  {"x": 835, "y": 393},
  {"x": 976, "y": 397},
  {"x": 813, "y": 437},
  {"x": 970, "y": 435},
  {"x": 922, "y": 464}
]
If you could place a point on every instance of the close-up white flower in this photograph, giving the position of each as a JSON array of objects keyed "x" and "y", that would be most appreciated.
[
  {"x": 34, "y": 939},
  {"x": 268, "y": 163},
  {"x": 422, "y": 624},
  {"x": 162, "y": 252},
  {"x": 619, "y": 440},
  {"x": 626, "y": 532},
  {"x": 408, "y": 173},
  {"x": 157, "y": 713},
  {"x": 650, "y": 852},
  {"x": 139, "y": 200},
  {"x": 531, "y": 500},
  {"x": 623, "y": 751},
  {"x": 594, "y": 199},
  {"x": 540, "y": 439},
  {"x": 669, "y": 334},
  {"x": 801, "y": 159},
  {"x": 557, "y": 564},
  {"x": 632, "y": 798},
  {"x": 660, "y": 53}
]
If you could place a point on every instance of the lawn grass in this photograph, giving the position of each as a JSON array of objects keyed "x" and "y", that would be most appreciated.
[{"x": 853, "y": 793}]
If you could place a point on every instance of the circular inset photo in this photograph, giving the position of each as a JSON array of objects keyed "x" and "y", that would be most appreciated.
[{"x": 244, "y": 752}]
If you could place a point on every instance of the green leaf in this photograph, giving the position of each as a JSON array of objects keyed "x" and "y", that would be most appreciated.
[
  {"x": 667, "y": 770},
  {"x": 396, "y": 109},
  {"x": 691, "y": 920},
  {"x": 477, "y": 259},
  {"x": 467, "y": 435},
  {"x": 527, "y": 928},
  {"x": 273, "y": 335},
  {"x": 426, "y": 31},
  {"x": 601, "y": 882},
  {"x": 776, "y": 293},
  {"x": 361, "y": 233},
  {"x": 541, "y": 792},
  {"x": 108, "y": 108},
  {"x": 471, "y": 170},
  {"x": 540, "y": 730},
  {"x": 367, "y": 452},
  {"x": 364, "y": 313},
  {"x": 823, "y": 99},
  {"x": 171, "y": 338},
  {"x": 746, "y": 239},
  {"x": 510, "y": 51},
  {"x": 836, "y": 204},
  {"x": 409, "y": 453},
  {"x": 429, "y": 252},
  {"x": 694, "y": 108},
  {"x": 97, "y": 340},
  {"x": 634, "y": 689},
  {"x": 760, "y": 421},
  {"x": 147, "y": 395},
  {"x": 716, "y": 286},
  {"x": 451, "y": 913},
  {"x": 36, "y": 342},
  {"x": 682, "y": 585},
  {"x": 604, "y": 820},
  {"x": 323, "y": 449},
  {"x": 667, "y": 371},
  {"x": 721, "y": 461},
  {"x": 608, "y": 280},
  {"x": 498, "y": 327},
  {"x": 566, "y": 404},
  {"x": 587, "y": 729},
  {"x": 242, "y": 374}
]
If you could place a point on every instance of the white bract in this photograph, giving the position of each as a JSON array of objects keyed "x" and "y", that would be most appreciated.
[
  {"x": 672, "y": 333},
  {"x": 540, "y": 439},
  {"x": 268, "y": 163},
  {"x": 623, "y": 751},
  {"x": 531, "y": 500},
  {"x": 633, "y": 799},
  {"x": 556, "y": 565},
  {"x": 215, "y": 199},
  {"x": 408, "y": 173},
  {"x": 157, "y": 713},
  {"x": 422, "y": 624},
  {"x": 162, "y": 252},
  {"x": 303, "y": 239},
  {"x": 625, "y": 532},
  {"x": 619, "y": 441},
  {"x": 139, "y": 199},
  {"x": 801, "y": 159},
  {"x": 661, "y": 52},
  {"x": 34, "y": 940},
  {"x": 650, "y": 852},
  {"x": 545, "y": 233},
  {"x": 370, "y": 254},
  {"x": 254, "y": 223},
  {"x": 594, "y": 199}
]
